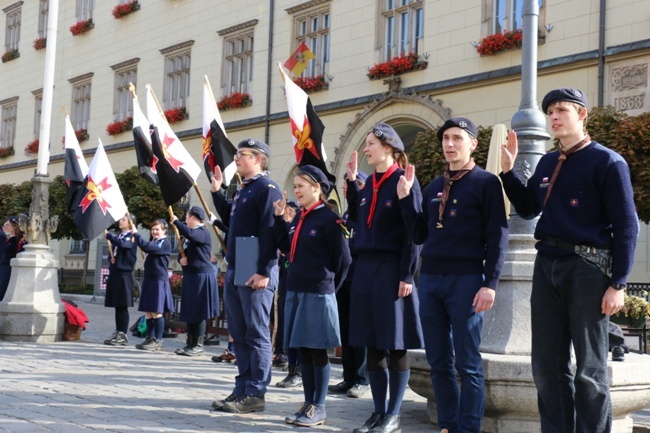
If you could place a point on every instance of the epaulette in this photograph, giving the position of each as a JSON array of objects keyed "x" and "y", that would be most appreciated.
[{"x": 271, "y": 186}]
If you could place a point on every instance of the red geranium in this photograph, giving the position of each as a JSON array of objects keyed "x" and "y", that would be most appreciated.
[
  {"x": 6, "y": 151},
  {"x": 82, "y": 27},
  {"x": 176, "y": 284},
  {"x": 120, "y": 11},
  {"x": 120, "y": 126},
  {"x": 492, "y": 44},
  {"x": 234, "y": 100},
  {"x": 311, "y": 84},
  {"x": 395, "y": 66},
  {"x": 10, "y": 55},
  {"x": 40, "y": 43},
  {"x": 175, "y": 115},
  {"x": 31, "y": 148}
]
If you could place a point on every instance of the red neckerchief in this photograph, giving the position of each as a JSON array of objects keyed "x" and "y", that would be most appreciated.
[
  {"x": 375, "y": 189},
  {"x": 294, "y": 241},
  {"x": 449, "y": 181},
  {"x": 560, "y": 160}
]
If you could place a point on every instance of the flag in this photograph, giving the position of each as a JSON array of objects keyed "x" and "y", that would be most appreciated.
[
  {"x": 177, "y": 171},
  {"x": 100, "y": 201},
  {"x": 217, "y": 149},
  {"x": 143, "y": 150},
  {"x": 75, "y": 168},
  {"x": 298, "y": 60},
  {"x": 306, "y": 128}
]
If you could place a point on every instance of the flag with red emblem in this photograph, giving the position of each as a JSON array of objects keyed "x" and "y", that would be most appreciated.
[
  {"x": 306, "y": 128},
  {"x": 299, "y": 59},
  {"x": 143, "y": 149},
  {"x": 75, "y": 168},
  {"x": 217, "y": 149},
  {"x": 100, "y": 202},
  {"x": 177, "y": 170}
]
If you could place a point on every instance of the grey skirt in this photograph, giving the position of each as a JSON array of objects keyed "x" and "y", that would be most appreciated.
[{"x": 311, "y": 320}]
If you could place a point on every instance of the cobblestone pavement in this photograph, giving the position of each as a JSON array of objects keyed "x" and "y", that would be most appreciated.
[{"x": 86, "y": 386}]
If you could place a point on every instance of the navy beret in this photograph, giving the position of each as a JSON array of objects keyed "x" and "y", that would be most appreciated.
[
  {"x": 251, "y": 143},
  {"x": 197, "y": 212},
  {"x": 317, "y": 176},
  {"x": 292, "y": 204},
  {"x": 386, "y": 133},
  {"x": 460, "y": 122},
  {"x": 566, "y": 94}
]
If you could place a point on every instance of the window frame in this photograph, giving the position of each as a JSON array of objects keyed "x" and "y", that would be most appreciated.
[
  {"x": 490, "y": 16},
  {"x": 8, "y": 120},
  {"x": 12, "y": 26},
  {"x": 312, "y": 25},
  {"x": 43, "y": 11},
  {"x": 84, "y": 10},
  {"x": 238, "y": 62},
  {"x": 402, "y": 28},
  {"x": 177, "y": 73},
  {"x": 38, "y": 111},
  {"x": 125, "y": 73},
  {"x": 81, "y": 101}
]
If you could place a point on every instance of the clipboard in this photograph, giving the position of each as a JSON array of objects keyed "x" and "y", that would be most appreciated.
[{"x": 247, "y": 251}]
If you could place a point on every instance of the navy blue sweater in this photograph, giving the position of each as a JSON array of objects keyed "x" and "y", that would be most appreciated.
[
  {"x": 198, "y": 250},
  {"x": 124, "y": 251},
  {"x": 592, "y": 203},
  {"x": 474, "y": 237},
  {"x": 157, "y": 260},
  {"x": 322, "y": 255},
  {"x": 251, "y": 215},
  {"x": 388, "y": 234}
]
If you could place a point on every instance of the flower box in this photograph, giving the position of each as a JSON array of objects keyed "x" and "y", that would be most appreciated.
[
  {"x": 176, "y": 284},
  {"x": 120, "y": 126},
  {"x": 82, "y": 27},
  {"x": 40, "y": 43},
  {"x": 10, "y": 55},
  {"x": 635, "y": 311},
  {"x": 493, "y": 44},
  {"x": 82, "y": 135},
  {"x": 234, "y": 100},
  {"x": 123, "y": 10},
  {"x": 175, "y": 115},
  {"x": 32, "y": 148},
  {"x": 6, "y": 151},
  {"x": 310, "y": 85},
  {"x": 396, "y": 66}
]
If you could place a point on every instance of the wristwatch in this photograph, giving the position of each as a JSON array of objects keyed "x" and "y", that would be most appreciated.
[{"x": 618, "y": 286}]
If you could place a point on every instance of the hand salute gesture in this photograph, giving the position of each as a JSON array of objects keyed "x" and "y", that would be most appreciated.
[
  {"x": 406, "y": 181},
  {"x": 217, "y": 180},
  {"x": 280, "y": 205},
  {"x": 509, "y": 152},
  {"x": 352, "y": 167}
]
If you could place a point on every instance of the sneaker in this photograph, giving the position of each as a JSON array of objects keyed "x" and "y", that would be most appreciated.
[
  {"x": 618, "y": 353},
  {"x": 218, "y": 404},
  {"x": 312, "y": 416},
  {"x": 117, "y": 339},
  {"x": 340, "y": 388},
  {"x": 151, "y": 344},
  {"x": 292, "y": 379},
  {"x": 245, "y": 404},
  {"x": 291, "y": 419},
  {"x": 358, "y": 390}
]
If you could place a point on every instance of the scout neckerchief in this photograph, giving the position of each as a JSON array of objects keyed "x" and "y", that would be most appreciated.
[
  {"x": 449, "y": 181},
  {"x": 294, "y": 241},
  {"x": 560, "y": 160},
  {"x": 241, "y": 187},
  {"x": 375, "y": 189}
]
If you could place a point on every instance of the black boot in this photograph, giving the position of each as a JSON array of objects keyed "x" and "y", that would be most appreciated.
[
  {"x": 197, "y": 347},
  {"x": 188, "y": 344},
  {"x": 388, "y": 424},
  {"x": 293, "y": 378}
]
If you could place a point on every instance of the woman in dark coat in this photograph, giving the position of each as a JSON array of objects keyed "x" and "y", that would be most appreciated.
[
  {"x": 200, "y": 297},
  {"x": 13, "y": 242}
]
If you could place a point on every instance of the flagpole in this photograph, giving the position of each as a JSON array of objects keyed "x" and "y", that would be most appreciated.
[
  {"x": 178, "y": 235},
  {"x": 205, "y": 205},
  {"x": 110, "y": 247}
]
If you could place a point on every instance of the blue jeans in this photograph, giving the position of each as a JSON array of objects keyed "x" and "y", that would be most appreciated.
[
  {"x": 452, "y": 335},
  {"x": 248, "y": 313},
  {"x": 566, "y": 308}
]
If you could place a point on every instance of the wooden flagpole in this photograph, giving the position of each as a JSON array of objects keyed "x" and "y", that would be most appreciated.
[{"x": 178, "y": 235}]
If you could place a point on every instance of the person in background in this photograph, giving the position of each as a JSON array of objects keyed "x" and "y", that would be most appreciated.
[
  {"x": 461, "y": 220},
  {"x": 119, "y": 285},
  {"x": 199, "y": 298},
  {"x": 355, "y": 375},
  {"x": 156, "y": 295},
  {"x": 383, "y": 301},
  {"x": 586, "y": 234},
  {"x": 12, "y": 242},
  {"x": 319, "y": 258}
]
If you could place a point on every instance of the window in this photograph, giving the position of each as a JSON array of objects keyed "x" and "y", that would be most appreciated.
[
  {"x": 77, "y": 247},
  {"x": 125, "y": 74},
  {"x": 177, "y": 75},
  {"x": 38, "y": 106},
  {"x": 81, "y": 87},
  {"x": 12, "y": 34},
  {"x": 313, "y": 28},
  {"x": 403, "y": 27},
  {"x": 237, "y": 71},
  {"x": 8, "y": 127},
  {"x": 502, "y": 15},
  {"x": 43, "y": 9},
  {"x": 85, "y": 9}
]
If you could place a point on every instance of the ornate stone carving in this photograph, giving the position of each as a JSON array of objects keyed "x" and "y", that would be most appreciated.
[{"x": 629, "y": 77}]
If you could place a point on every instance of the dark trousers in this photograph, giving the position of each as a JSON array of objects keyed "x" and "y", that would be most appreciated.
[
  {"x": 565, "y": 310},
  {"x": 452, "y": 336},
  {"x": 249, "y": 313},
  {"x": 353, "y": 359}
]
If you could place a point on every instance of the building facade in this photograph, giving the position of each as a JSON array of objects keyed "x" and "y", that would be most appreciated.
[{"x": 455, "y": 63}]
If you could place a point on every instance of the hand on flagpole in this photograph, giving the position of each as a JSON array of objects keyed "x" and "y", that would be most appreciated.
[
  {"x": 509, "y": 152},
  {"x": 406, "y": 182},
  {"x": 352, "y": 167},
  {"x": 217, "y": 180},
  {"x": 280, "y": 205},
  {"x": 172, "y": 218}
]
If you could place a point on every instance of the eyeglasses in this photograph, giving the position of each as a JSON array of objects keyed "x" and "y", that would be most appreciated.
[{"x": 242, "y": 153}]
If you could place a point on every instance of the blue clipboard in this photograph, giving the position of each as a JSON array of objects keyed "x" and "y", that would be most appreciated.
[{"x": 247, "y": 251}]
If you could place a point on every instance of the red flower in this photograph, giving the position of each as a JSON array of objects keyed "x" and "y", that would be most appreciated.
[
  {"x": 492, "y": 44},
  {"x": 311, "y": 84},
  {"x": 123, "y": 10},
  {"x": 395, "y": 66},
  {"x": 176, "y": 283},
  {"x": 82, "y": 135},
  {"x": 31, "y": 148},
  {"x": 82, "y": 27},
  {"x": 119, "y": 126},
  {"x": 10, "y": 55},
  {"x": 6, "y": 151},
  {"x": 175, "y": 115},
  {"x": 40, "y": 43},
  {"x": 234, "y": 100}
]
